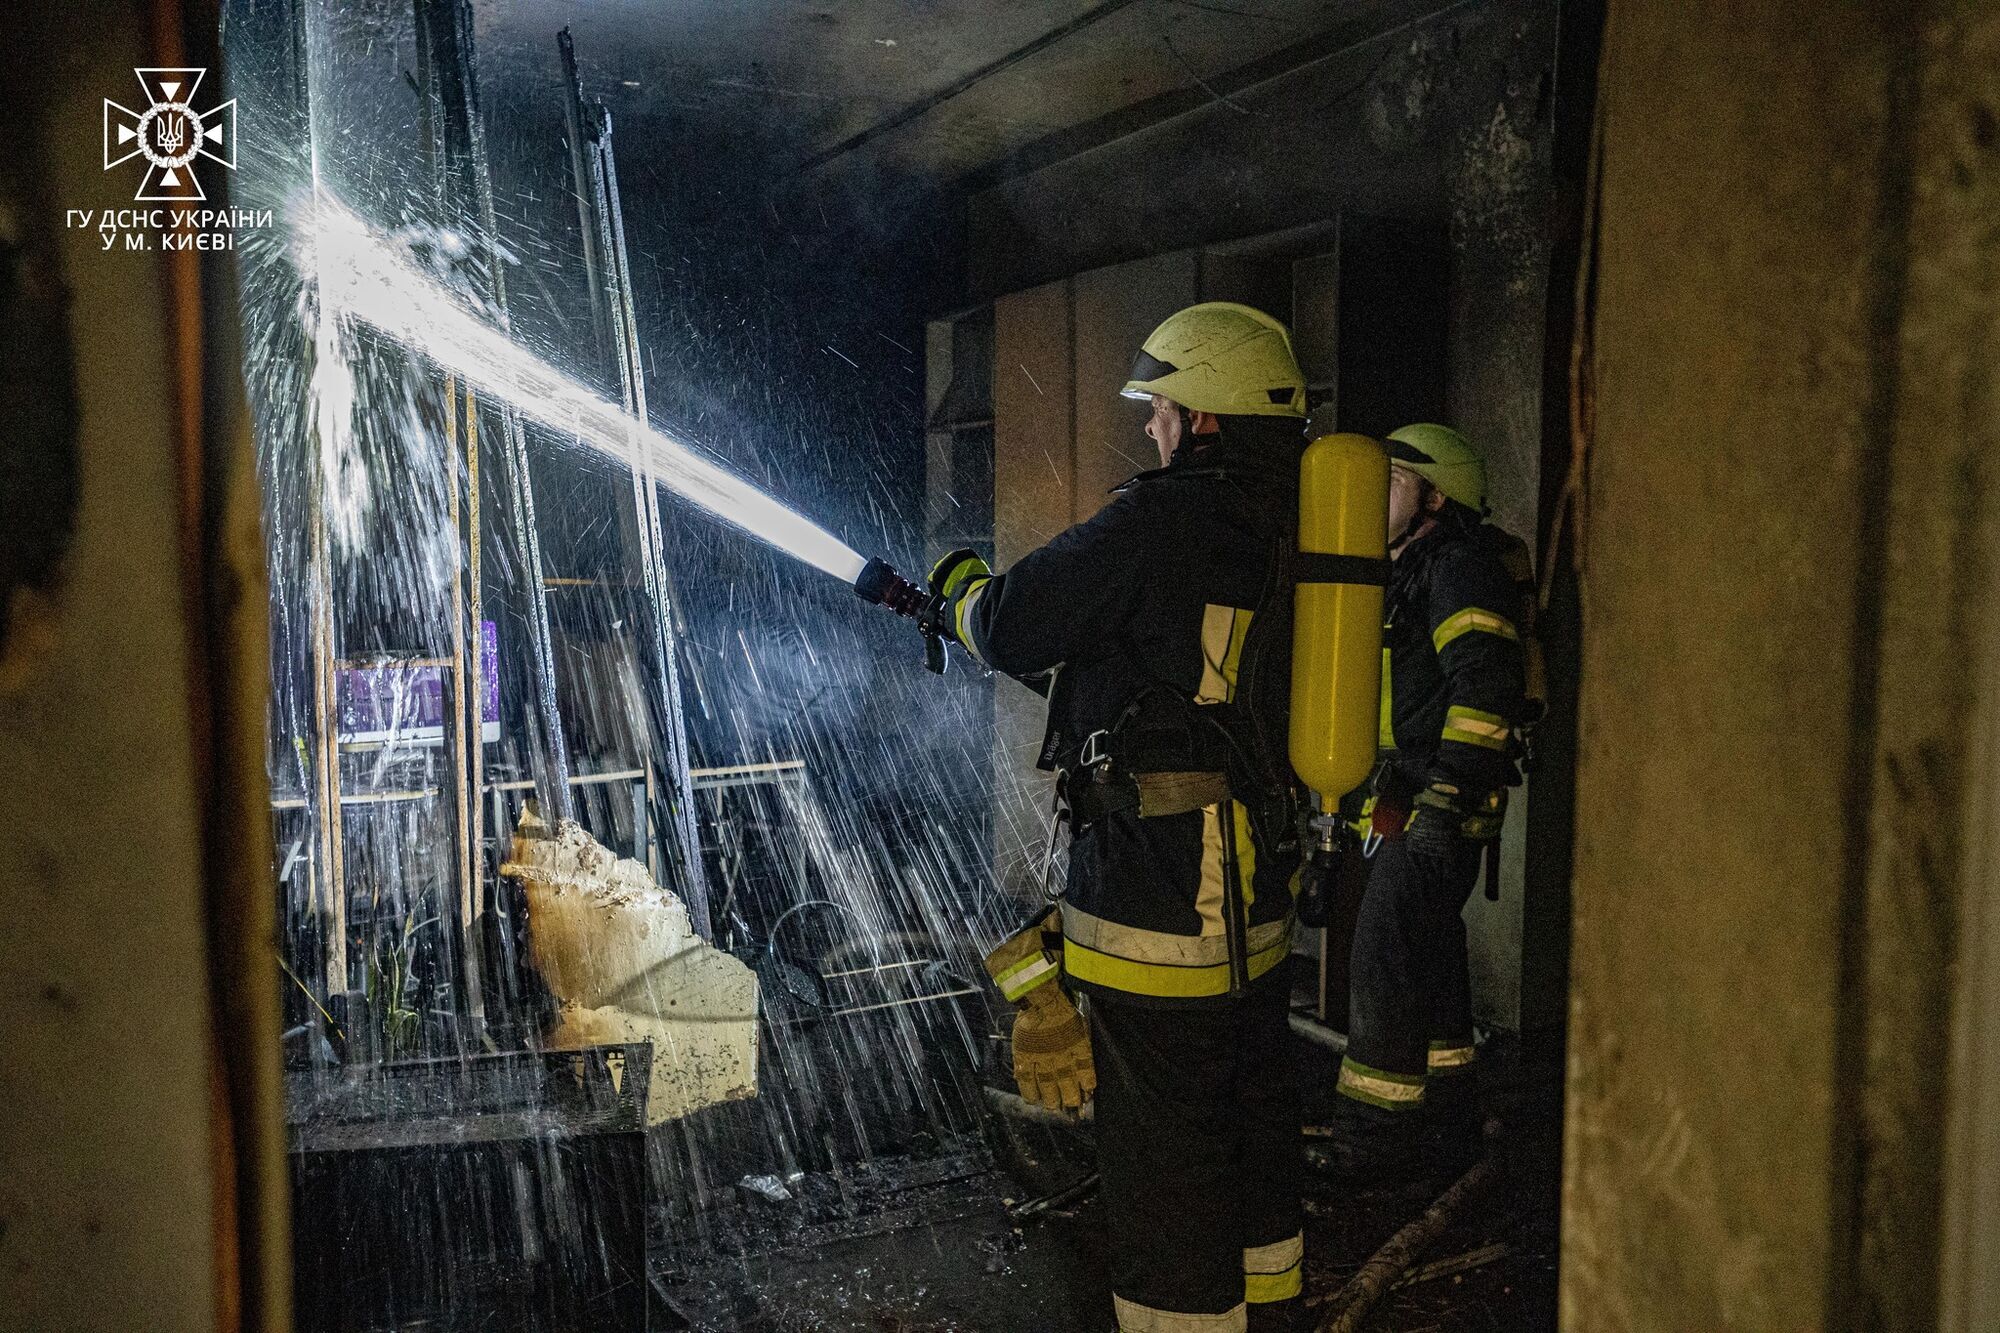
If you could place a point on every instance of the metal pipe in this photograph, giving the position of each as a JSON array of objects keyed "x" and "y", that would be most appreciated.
[
  {"x": 1016, "y": 1107},
  {"x": 598, "y": 203},
  {"x": 476, "y": 668},
  {"x": 464, "y": 751},
  {"x": 1062, "y": 1198},
  {"x": 680, "y": 798},
  {"x": 1319, "y": 1033},
  {"x": 575, "y": 119},
  {"x": 327, "y": 795},
  {"x": 445, "y": 27}
]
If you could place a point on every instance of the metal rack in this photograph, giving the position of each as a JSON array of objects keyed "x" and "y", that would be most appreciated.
[{"x": 669, "y": 785}]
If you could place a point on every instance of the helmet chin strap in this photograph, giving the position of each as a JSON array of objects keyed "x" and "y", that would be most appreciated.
[{"x": 1189, "y": 441}]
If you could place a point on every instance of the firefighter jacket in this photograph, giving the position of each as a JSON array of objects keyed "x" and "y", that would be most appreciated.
[
  {"x": 1452, "y": 663},
  {"x": 1151, "y": 601}
]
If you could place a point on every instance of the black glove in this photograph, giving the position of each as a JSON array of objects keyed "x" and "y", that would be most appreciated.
[
  {"x": 1442, "y": 818},
  {"x": 1318, "y": 878},
  {"x": 1437, "y": 826}
]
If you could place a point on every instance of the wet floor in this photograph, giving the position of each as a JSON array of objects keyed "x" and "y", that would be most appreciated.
[{"x": 929, "y": 1247}]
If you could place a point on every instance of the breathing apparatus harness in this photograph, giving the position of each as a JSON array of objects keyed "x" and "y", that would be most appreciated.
[
  {"x": 1168, "y": 753},
  {"x": 1382, "y": 809}
]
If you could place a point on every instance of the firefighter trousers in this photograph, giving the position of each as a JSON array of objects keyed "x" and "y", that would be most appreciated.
[
  {"x": 1199, "y": 1148},
  {"x": 1410, "y": 986}
]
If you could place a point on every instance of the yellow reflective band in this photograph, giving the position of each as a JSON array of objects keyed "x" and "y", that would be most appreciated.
[
  {"x": 1025, "y": 975},
  {"x": 1208, "y": 898},
  {"x": 1208, "y": 894},
  {"x": 1275, "y": 1257},
  {"x": 1223, "y": 630},
  {"x": 1451, "y": 1055},
  {"x": 1136, "y": 1318},
  {"x": 973, "y": 592},
  {"x": 1385, "y": 729},
  {"x": 1170, "y": 980},
  {"x": 1469, "y": 726},
  {"x": 1274, "y": 1272},
  {"x": 1165, "y": 947},
  {"x": 1379, "y": 1087},
  {"x": 1473, "y": 619},
  {"x": 1266, "y": 1288},
  {"x": 1364, "y": 823},
  {"x": 1246, "y": 854},
  {"x": 962, "y": 573}
]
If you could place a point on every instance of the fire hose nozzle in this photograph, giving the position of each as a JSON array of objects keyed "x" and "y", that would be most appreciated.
[{"x": 880, "y": 584}]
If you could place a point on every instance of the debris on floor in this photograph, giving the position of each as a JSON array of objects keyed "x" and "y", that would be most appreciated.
[{"x": 940, "y": 1246}]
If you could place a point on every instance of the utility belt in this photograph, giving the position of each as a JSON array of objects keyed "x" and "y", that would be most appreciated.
[
  {"x": 1391, "y": 790},
  {"x": 1150, "y": 771},
  {"x": 1094, "y": 795},
  {"x": 1166, "y": 755}
]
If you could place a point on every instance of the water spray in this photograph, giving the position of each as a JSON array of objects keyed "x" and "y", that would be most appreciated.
[{"x": 362, "y": 276}]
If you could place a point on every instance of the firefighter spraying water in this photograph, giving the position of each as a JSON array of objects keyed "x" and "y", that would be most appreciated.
[{"x": 1210, "y": 647}]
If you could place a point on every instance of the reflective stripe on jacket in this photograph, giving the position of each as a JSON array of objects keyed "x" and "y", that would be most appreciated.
[
  {"x": 1162, "y": 586},
  {"x": 1453, "y": 670}
]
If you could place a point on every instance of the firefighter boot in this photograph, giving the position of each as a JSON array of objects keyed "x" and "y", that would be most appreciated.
[
  {"x": 1455, "y": 1112},
  {"x": 1366, "y": 1146}
]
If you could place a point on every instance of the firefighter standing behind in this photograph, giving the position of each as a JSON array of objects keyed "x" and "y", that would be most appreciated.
[
  {"x": 1452, "y": 696},
  {"x": 1167, "y": 725}
]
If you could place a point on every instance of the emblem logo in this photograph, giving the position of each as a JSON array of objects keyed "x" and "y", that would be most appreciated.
[{"x": 170, "y": 134}]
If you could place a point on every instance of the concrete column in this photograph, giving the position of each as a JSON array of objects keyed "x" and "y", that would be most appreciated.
[
  {"x": 1034, "y": 490},
  {"x": 114, "y": 1160},
  {"x": 1788, "y": 567}
]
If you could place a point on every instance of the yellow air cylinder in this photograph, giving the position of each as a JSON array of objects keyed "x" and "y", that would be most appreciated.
[{"x": 1337, "y": 628}]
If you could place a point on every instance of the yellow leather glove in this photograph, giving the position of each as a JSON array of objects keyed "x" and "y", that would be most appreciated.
[
  {"x": 952, "y": 575},
  {"x": 1052, "y": 1064},
  {"x": 955, "y": 578}
]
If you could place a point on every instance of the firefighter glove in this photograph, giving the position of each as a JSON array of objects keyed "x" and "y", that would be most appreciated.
[
  {"x": 953, "y": 575},
  {"x": 1436, "y": 824},
  {"x": 1443, "y": 816},
  {"x": 952, "y": 580},
  {"x": 1052, "y": 1064},
  {"x": 1318, "y": 877}
]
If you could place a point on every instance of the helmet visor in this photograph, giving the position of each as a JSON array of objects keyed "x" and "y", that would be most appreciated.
[{"x": 1146, "y": 369}]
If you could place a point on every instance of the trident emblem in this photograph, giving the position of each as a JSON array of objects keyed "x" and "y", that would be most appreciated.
[{"x": 170, "y": 134}]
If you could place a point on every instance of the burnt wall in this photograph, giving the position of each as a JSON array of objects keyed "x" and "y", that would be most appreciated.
[{"x": 1446, "y": 114}]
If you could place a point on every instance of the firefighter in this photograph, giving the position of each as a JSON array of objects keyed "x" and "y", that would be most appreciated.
[
  {"x": 1160, "y": 631},
  {"x": 1452, "y": 699}
]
